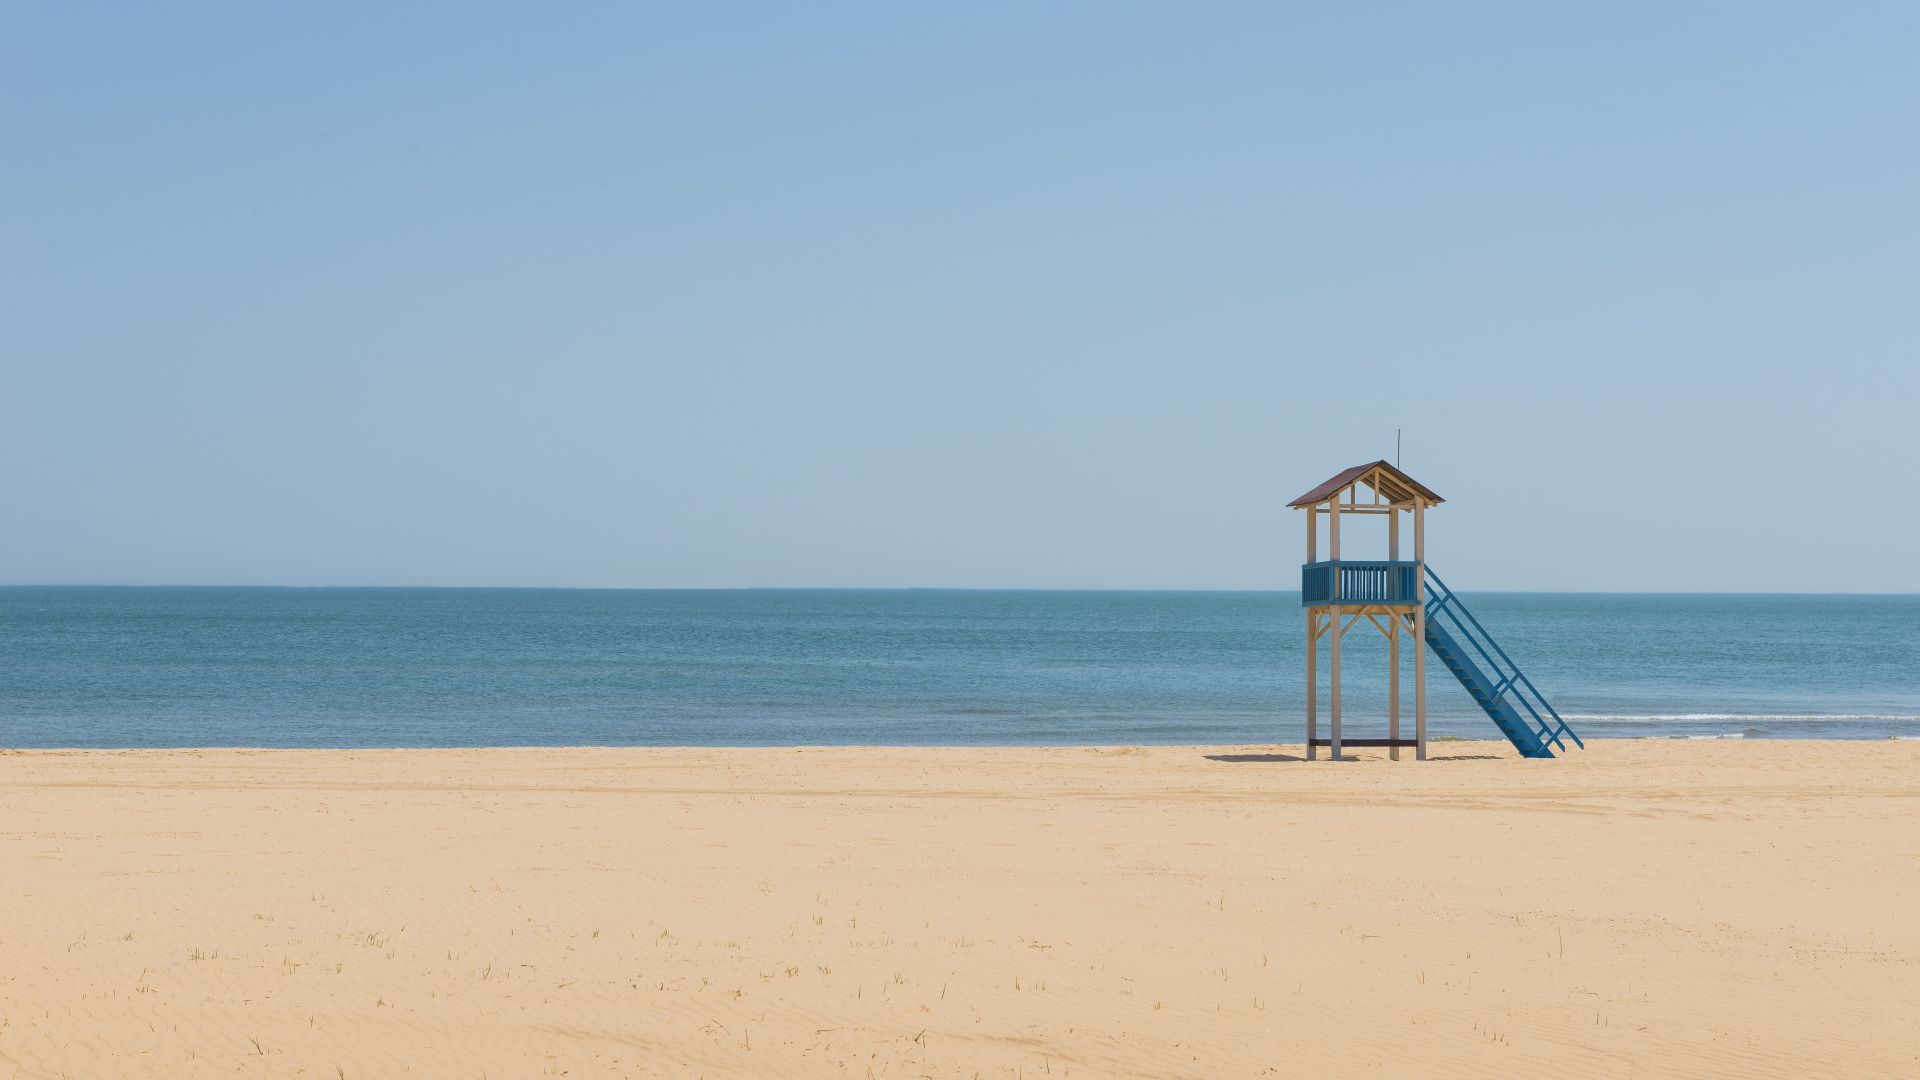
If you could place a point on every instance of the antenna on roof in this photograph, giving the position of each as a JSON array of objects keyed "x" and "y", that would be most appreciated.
[{"x": 1396, "y": 448}]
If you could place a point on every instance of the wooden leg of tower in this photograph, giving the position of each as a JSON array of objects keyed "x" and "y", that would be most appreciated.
[
  {"x": 1334, "y": 629},
  {"x": 1313, "y": 683},
  {"x": 1420, "y": 683},
  {"x": 1393, "y": 686}
]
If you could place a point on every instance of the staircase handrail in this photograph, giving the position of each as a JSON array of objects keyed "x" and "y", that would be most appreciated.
[
  {"x": 1454, "y": 608},
  {"x": 1446, "y": 601},
  {"x": 1450, "y": 603},
  {"x": 1468, "y": 612}
]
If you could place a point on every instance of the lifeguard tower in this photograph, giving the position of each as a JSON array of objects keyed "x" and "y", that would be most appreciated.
[{"x": 1407, "y": 599}]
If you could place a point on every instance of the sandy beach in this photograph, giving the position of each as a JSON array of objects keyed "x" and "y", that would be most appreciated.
[{"x": 1645, "y": 908}]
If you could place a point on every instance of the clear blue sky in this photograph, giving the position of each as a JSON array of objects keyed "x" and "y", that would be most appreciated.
[{"x": 958, "y": 295}]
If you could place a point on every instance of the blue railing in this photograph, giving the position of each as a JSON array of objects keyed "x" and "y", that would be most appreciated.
[
  {"x": 1359, "y": 582},
  {"x": 1509, "y": 680}
]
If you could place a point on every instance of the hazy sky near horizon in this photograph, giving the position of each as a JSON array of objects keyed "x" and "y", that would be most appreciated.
[{"x": 969, "y": 295}]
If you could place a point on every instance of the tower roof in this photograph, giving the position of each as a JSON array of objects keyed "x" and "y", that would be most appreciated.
[{"x": 1391, "y": 483}]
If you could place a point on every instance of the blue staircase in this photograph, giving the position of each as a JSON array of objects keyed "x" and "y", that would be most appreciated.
[{"x": 1508, "y": 696}]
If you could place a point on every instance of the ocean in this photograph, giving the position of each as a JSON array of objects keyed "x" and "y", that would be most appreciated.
[{"x": 149, "y": 667}]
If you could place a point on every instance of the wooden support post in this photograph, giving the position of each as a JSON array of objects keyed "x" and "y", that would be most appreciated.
[
  {"x": 1313, "y": 683},
  {"x": 1333, "y": 531},
  {"x": 1420, "y": 629},
  {"x": 1393, "y": 536},
  {"x": 1333, "y": 553},
  {"x": 1393, "y": 687},
  {"x": 1313, "y": 533},
  {"x": 1333, "y": 675}
]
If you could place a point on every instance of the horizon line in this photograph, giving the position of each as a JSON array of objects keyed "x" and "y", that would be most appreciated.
[{"x": 916, "y": 588}]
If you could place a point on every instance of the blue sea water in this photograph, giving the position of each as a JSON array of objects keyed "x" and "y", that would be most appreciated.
[{"x": 133, "y": 667}]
